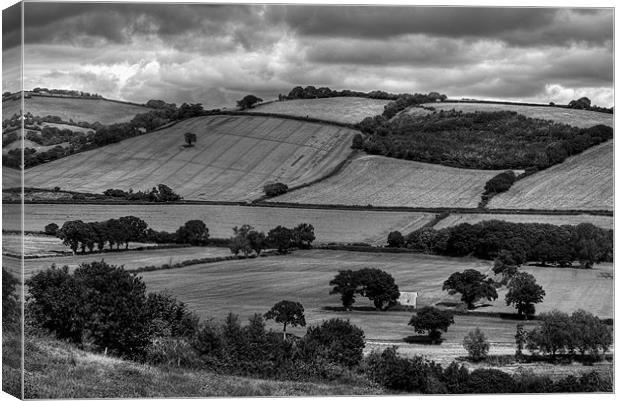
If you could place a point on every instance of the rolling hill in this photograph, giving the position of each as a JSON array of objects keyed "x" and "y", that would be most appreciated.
[
  {"x": 574, "y": 117},
  {"x": 383, "y": 181},
  {"x": 454, "y": 219},
  {"x": 233, "y": 158},
  {"x": 581, "y": 182},
  {"x": 350, "y": 110},
  {"x": 11, "y": 177},
  {"x": 76, "y": 109}
]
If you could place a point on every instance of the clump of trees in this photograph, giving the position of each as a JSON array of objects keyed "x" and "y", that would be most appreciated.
[
  {"x": 432, "y": 320},
  {"x": 272, "y": 189},
  {"x": 375, "y": 284},
  {"x": 483, "y": 140},
  {"x": 584, "y": 103},
  {"x": 498, "y": 184},
  {"x": 247, "y": 240},
  {"x": 544, "y": 243},
  {"x": 248, "y": 102},
  {"x": 476, "y": 344},
  {"x": 161, "y": 193},
  {"x": 11, "y": 308},
  {"x": 472, "y": 285}
]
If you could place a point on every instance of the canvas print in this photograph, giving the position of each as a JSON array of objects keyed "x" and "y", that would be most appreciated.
[{"x": 227, "y": 200}]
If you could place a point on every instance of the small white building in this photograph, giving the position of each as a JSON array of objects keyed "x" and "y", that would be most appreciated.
[{"x": 408, "y": 298}]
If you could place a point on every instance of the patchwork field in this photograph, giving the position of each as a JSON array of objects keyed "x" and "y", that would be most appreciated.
[
  {"x": 574, "y": 117},
  {"x": 29, "y": 144},
  {"x": 583, "y": 182},
  {"x": 460, "y": 218},
  {"x": 329, "y": 225},
  {"x": 233, "y": 158},
  {"x": 11, "y": 177},
  {"x": 89, "y": 110},
  {"x": 249, "y": 286},
  {"x": 383, "y": 181},
  {"x": 129, "y": 259},
  {"x": 342, "y": 109}
]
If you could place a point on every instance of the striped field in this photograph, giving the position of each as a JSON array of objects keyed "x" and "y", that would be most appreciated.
[
  {"x": 581, "y": 182},
  {"x": 454, "y": 219},
  {"x": 383, "y": 181},
  {"x": 350, "y": 110},
  {"x": 574, "y": 117},
  {"x": 329, "y": 225},
  {"x": 233, "y": 158}
]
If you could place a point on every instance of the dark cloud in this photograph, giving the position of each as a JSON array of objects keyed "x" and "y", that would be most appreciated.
[{"x": 11, "y": 23}]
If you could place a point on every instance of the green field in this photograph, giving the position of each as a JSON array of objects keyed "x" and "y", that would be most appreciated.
[
  {"x": 581, "y": 182},
  {"x": 329, "y": 225},
  {"x": 573, "y": 220},
  {"x": 383, "y": 181},
  {"x": 350, "y": 110},
  {"x": 574, "y": 117},
  {"x": 11, "y": 178},
  {"x": 83, "y": 109},
  {"x": 233, "y": 158}
]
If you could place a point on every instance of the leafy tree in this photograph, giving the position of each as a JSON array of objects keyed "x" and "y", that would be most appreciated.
[
  {"x": 581, "y": 103},
  {"x": 166, "y": 194},
  {"x": 190, "y": 138},
  {"x": 240, "y": 241},
  {"x": 193, "y": 232},
  {"x": 589, "y": 244},
  {"x": 589, "y": 333},
  {"x": 257, "y": 241},
  {"x": 280, "y": 238},
  {"x": 476, "y": 344},
  {"x": 523, "y": 293},
  {"x": 287, "y": 313},
  {"x": 248, "y": 102},
  {"x": 520, "y": 340},
  {"x": 51, "y": 229},
  {"x": 553, "y": 335},
  {"x": 378, "y": 286},
  {"x": 10, "y": 300},
  {"x": 485, "y": 381},
  {"x": 116, "y": 233},
  {"x": 134, "y": 227},
  {"x": 395, "y": 239},
  {"x": 358, "y": 142},
  {"x": 169, "y": 317},
  {"x": 472, "y": 285},
  {"x": 336, "y": 340},
  {"x": 303, "y": 235},
  {"x": 500, "y": 183},
  {"x": 432, "y": 320},
  {"x": 345, "y": 283}
]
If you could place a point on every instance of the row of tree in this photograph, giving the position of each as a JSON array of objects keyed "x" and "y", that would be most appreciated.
[
  {"x": 161, "y": 193},
  {"x": 375, "y": 284},
  {"x": 246, "y": 239},
  {"x": 584, "y": 103},
  {"x": 483, "y": 140},
  {"x": 535, "y": 242}
]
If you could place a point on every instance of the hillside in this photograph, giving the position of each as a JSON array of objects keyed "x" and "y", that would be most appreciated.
[
  {"x": 11, "y": 177},
  {"x": 233, "y": 158},
  {"x": 382, "y": 181},
  {"x": 54, "y": 369},
  {"x": 454, "y": 219},
  {"x": 584, "y": 182},
  {"x": 76, "y": 109},
  {"x": 350, "y": 110},
  {"x": 574, "y": 117}
]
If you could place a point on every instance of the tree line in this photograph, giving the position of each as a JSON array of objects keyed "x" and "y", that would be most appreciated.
[
  {"x": 484, "y": 140},
  {"x": 547, "y": 244},
  {"x": 246, "y": 239},
  {"x": 311, "y": 92},
  {"x": 161, "y": 193}
]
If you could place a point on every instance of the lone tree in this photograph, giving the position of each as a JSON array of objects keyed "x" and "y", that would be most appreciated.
[
  {"x": 379, "y": 287},
  {"x": 345, "y": 283},
  {"x": 248, "y": 102},
  {"x": 193, "y": 232},
  {"x": 190, "y": 138},
  {"x": 476, "y": 344},
  {"x": 395, "y": 240},
  {"x": 472, "y": 285},
  {"x": 523, "y": 293},
  {"x": 51, "y": 229},
  {"x": 275, "y": 189},
  {"x": 432, "y": 320},
  {"x": 287, "y": 313}
]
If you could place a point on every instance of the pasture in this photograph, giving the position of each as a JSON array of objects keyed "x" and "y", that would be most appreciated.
[
  {"x": 454, "y": 219},
  {"x": 233, "y": 158},
  {"x": 83, "y": 109},
  {"x": 383, "y": 181},
  {"x": 129, "y": 259},
  {"x": 350, "y": 110},
  {"x": 252, "y": 286},
  {"x": 11, "y": 178},
  {"x": 574, "y": 117},
  {"x": 581, "y": 182},
  {"x": 329, "y": 225}
]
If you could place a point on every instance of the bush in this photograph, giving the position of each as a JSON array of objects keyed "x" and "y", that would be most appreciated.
[
  {"x": 476, "y": 344},
  {"x": 10, "y": 300},
  {"x": 51, "y": 229},
  {"x": 175, "y": 352},
  {"x": 395, "y": 239},
  {"x": 500, "y": 183},
  {"x": 358, "y": 142},
  {"x": 335, "y": 340},
  {"x": 275, "y": 189},
  {"x": 397, "y": 373},
  {"x": 483, "y": 381}
]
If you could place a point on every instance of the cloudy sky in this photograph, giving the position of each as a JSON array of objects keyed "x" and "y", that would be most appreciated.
[{"x": 214, "y": 54}]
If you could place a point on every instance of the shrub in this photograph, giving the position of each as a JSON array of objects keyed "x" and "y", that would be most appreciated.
[
  {"x": 397, "y": 373},
  {"x": 275, "y": 189},
  {"x": 176, "y": 352},
  {"x": 395, "y": 239},
  {"x": 335, "y": 340},
  {"x": 358, "y": 142},
  {"x": 51, "y": 229},
  {"x": 476, "y": 344},
  {"x": 500, "y": 183},
  {"x": 490, "y": 381},
  {"x": 10, "y": 300}
]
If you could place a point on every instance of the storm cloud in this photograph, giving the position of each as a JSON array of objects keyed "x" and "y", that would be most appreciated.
[{"x": 214, "y": 54}]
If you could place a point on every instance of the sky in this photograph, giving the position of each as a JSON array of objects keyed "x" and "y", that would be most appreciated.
[{"x": 216, "y": 54}]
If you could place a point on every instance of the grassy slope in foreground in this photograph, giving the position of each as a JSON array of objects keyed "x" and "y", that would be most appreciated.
[
  {"x": 350, "y": 110},
  {"x": 233, "y": 158},
  {"x": 329, "y": 225},
  {"x": 54, "y": 369},
  {"x": 471, "y": 218},
  {"x": 574, "y": 117},
  {"x": 581, "y": 182},
  {"x": 89, "y": 110},
  {"x": 383, "y": 181}
]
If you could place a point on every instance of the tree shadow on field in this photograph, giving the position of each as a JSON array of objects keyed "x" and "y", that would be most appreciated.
[{"x": 422, "y": 340}]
